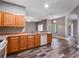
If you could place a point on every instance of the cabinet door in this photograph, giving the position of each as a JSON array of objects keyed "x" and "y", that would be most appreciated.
[
  {"x": 6, "y": 20},
  {"x": 23, "y": 42},
  {"x": 30, "y": 41},
  {"x": 37, "y": 40},
  {"x": 13, "y": 21},
  {"x": 49, "y": 38},
  {"x": 1, "y": 19},
  {"x": 14, "y": 44},
  {"x": 20, "y": 21},
  {"x": 9, "y": 20}
]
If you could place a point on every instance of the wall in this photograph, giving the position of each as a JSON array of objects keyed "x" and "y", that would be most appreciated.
[
  {"x": 12, "y": 8},
  {"x": 75, "y": 27},
  {"x": 44, "y": 22},
  {"x": 76, "y": 11},
  {"x": 30, "y": 27},
  {"x": 60, "y": 26}
]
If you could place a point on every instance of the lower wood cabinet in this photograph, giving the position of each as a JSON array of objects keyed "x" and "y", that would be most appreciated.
[
  {"x": 37, "y": 40},
  {"x": 30, "y": 41},
  {"x": 23, "y": 42},
  {"x": 13, "y": 44},
  {"x": 49, "y": 38}
]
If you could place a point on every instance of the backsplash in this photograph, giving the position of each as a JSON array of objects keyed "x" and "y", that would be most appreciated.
[{"x": 11, "y": 30}]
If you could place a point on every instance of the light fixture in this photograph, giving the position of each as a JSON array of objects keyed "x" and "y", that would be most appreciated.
[
  {"x": 54, "y": 21},
  {"x": 28, "y": 20},
  {"x": 46, "y": 6}
]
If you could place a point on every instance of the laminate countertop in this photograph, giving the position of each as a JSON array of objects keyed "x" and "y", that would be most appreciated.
[{"x": 5, "y": 36}]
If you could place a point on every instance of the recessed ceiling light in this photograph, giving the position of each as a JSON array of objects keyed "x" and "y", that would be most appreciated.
[
  {"x": 54, "y": 21},
  {"x": 46, "y": 6},
  {"x": 28, "y": 20}
]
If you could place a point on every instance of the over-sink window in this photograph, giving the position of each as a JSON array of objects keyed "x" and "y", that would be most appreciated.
[{"x": 40, "y": 27}]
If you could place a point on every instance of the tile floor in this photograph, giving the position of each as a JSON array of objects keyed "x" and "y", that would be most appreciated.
[{"x": 58, "y": 49}]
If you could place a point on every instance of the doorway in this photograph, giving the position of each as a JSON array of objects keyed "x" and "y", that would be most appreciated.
[{"x": 71, "y": 29}]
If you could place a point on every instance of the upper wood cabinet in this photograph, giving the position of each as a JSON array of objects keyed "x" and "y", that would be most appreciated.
[
  {"x": 1, "y": 19},
  {"x": 23, "y": 42},
  {"x": 20, "y": 21},
  {"x": 9, "y": 20}
]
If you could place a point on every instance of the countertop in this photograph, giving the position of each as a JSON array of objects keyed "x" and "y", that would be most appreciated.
[{"x": 19, "y": 34}]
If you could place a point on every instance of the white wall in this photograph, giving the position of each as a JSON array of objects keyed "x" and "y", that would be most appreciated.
[{"x": 12, "y": 8}]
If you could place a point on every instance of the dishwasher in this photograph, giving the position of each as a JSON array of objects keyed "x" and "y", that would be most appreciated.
[
  {"x": 43, "y": 39},
  {"x": 3, "y": 51}
]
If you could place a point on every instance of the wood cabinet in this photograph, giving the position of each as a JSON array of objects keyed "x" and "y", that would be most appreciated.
[
  {"x": 30, "y": 41},
  {"x": 1, "y": 19},
  {"x": 20, "y": 21},
  {"x": 9, "y": 20},
  {"x": 49, "y": 38},
  {"x": 37, "y": 40},
  {"x": 23, "y": 42},
  {"x": 13, "y": 44},
  {"x": 8, "y": 51}
]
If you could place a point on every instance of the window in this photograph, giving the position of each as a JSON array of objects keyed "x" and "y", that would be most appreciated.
[{"x": 40, "y": 27}]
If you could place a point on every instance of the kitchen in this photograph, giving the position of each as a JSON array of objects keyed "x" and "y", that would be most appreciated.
[{"x": 25, "y": 26}]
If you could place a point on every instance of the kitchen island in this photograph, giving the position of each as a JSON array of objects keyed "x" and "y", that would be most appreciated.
[{"x": 21, "y": 42}]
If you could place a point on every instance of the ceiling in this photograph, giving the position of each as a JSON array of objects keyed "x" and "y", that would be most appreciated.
[{"x": 36, "y": 10}]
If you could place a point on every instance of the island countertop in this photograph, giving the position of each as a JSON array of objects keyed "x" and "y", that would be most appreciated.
[{"x": 19, "y": 34}]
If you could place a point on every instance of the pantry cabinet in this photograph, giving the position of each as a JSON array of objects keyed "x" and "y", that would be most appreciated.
[{"x": 23, "y": 42}]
